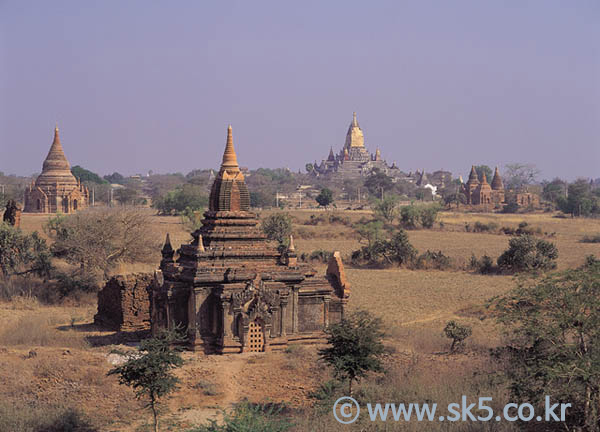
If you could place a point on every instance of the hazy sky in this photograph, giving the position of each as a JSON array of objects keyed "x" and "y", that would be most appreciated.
[{"x": 141, "y": 85}]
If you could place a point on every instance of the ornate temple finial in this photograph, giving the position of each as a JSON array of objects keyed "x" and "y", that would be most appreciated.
[
  {"x": 167, "y": 248},
  {"x": 167, "y": 252},
  {"x": 354, "y": 121},
  {"x": 229, "y": 157},
  {"x": 483, "y": 178},
  {"x": 200, "y": 244},
  {"x": 291, "y": 247}
]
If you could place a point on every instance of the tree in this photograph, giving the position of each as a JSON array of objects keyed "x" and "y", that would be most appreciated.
[
  {"x": 527, "y": 253},
  {"x": 149, "y": 372},
  {"x": 484, "y": 169},
  {"x": 458, "y": 333},
  {"x": 325, "y": 198},
  {"x": 23, "y": 254},
  {"x": 176, "y": 201},
  {"x": 99, "y": 238},
  {"x": 86, "y": 175},
  {"x": 261, "y": 199},
  {"x": 115, "y": 178},
  {"x": 355, "y": 347},
  {"x": 387, "y": 208},
  {"x": 552, "y": 327},
  {"x": 309, "y": 167},
  {"x": 278, "y": 226},
  {"x": 553, "y": 190},
  {"x": 378, "y": 182},
  {"x": 518, "y": 175},
  {"x": 126, "y": 195},
  {"x": 582, "y": 200},
  {"x": 428, "y": 215}
]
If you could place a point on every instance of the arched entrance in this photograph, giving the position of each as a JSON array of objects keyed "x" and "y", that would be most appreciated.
[{"x": 256, "y": 340}]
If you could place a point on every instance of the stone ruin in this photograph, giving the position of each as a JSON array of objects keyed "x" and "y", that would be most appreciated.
[{"x": 124, "y": 303}]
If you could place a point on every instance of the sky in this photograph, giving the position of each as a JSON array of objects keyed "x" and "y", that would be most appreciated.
[{"x": 147, "y": 85}]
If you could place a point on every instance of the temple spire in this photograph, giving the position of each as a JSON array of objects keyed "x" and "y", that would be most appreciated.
[
  {"x": 229, "y": 157},
  {"x": 354, "y": 121}
]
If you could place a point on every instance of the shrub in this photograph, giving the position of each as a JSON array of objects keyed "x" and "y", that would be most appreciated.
[
  {"x": 355, "y": 347},
  {"x": 320, "y": 255},
  {"x": 278, "y": 226},
  {"x": 595, "y": 238},
  {"x": 458, "y": 333},
  {"x": 249, "y": 417},
  {"x": 409, "y": 217},
  {"x": 479, "y": 227},
  {"x": 486, "y": 265},
  {"x": 176, "y": 201},
  {"x": 526, "y": 253},
  {"x": 511, "y": 207},
  {"x": 428, "y": 215},
  {"x": 396, "y": 250},
  {"x": 433, "y": 260},
  {"x": 23, "y": 254}
]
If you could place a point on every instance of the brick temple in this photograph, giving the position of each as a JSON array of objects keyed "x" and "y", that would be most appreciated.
[
  {"x": 56, "y": 189},
  {"x": 235, "y": 292}
]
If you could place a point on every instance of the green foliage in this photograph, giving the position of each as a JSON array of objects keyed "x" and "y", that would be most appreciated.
[
  {"x": 553, "y": 328},
  {"x": 582, "y": 200},
  {"x": 479, "y": 227},
  {"x": 86, "y": 175},
  {"x": 413, "y": 217},
  {"x": 397, "y": 250},
  {"x": 527, "y": 253},
  {"x": 433, "y": 260},
  {"x": 149, "y": 372},
  {"x": 325, "y": 197},
  {"x": 387, "y": 208},
  {"x": 185, "y": 196},
  {"x": 377, "y": 182},
  {"x": 355, "y": 347},
  {"x": 115, "y": 178},
  {"x": 262, "y": 199},
  {"x": 458, "y": 333},
  {"x": 127, "y": 195},
  {"x": 23, "y": 254},
  {"x": 249, "y": 417},
  {"x": 484, "y": 169},
  {"x": 554, "y": 190},
  {"x": 369, "y": 231},
  {"x": 191, "y": 219},
  {"x": 278, "y": 227},
  {"x": 40, "y": 417},
  {"x": 309, "y": 167}
]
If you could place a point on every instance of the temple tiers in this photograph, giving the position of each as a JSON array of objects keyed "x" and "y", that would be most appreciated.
[
  {"x": 232, "y": 290},
  {"x": 56, "y": 189}
]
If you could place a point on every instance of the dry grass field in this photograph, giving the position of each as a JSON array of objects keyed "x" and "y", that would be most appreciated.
[{"x": 68, "y": 366}]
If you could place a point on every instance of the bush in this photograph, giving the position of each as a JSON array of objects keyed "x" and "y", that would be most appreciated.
[
  {"x": 433, "y": 260},
  {"x": 23, "y": 254},
  {"x": 176, "y": 201},
  {"x": 527, "y": 253},
  {"x": 396, "y": 250},
  {"x": 480, "y": 227},
  {"x": 511, "y": 207},
  {"x": 278, "y": 227},
  {"x": 42, "y": 419},
  {"x": 595, "y": 238},
  {"x": 458, "y": 333},
  {"x": 249, "y": 417},
  {"x": 413, "y": 217}
]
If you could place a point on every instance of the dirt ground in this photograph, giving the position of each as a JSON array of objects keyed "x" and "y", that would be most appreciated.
[{"x": 53, "y": 355}]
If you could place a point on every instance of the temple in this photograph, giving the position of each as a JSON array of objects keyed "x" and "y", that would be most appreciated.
[
  {"x": 235, "y": 292},
  {"x": 56, "y": 189},
  {"x": 480, "y": 193},
  {"x": 353, "y": 160}
]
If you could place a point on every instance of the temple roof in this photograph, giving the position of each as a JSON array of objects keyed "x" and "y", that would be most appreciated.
[
  {"x": 355, "y": 136},
  {"x": 229, "y": 191},
  {"x": 497, "y": 181},
  {"x": 473, "y": 177},
  {"x": 56, "y": 168},
  {"x": 331, "y": 155}
]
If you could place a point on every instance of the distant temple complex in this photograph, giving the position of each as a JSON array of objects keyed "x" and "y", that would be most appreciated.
[
  {"x": 353, "y": 160},
  {"x": 479, "y": 192},
  {"x": 232, "y": 290},
  {"x": 56, "y": 189}
]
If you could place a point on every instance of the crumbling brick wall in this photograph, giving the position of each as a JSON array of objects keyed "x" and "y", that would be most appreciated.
[{"x": 124, "y": 302}]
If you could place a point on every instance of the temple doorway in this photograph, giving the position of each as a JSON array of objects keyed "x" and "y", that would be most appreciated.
[{"x": 256, "y": 341}]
